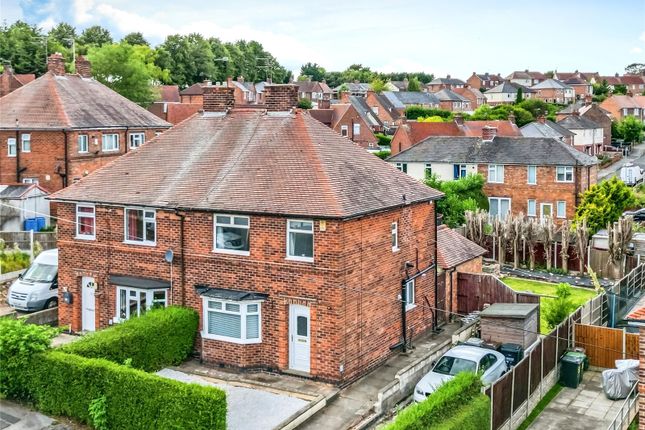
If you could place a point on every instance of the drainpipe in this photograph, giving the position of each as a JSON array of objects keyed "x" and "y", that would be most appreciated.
[
  {"x": 577, "y": 183},
  {"x": 434, "y": 263},
  {"x": 126, "y": 143},
  {"x": 17, "y": 152},
  {"x": 182, "y": 219},
  {"x": 65, "y": 178},
  {"x": 450, "y": 273}
]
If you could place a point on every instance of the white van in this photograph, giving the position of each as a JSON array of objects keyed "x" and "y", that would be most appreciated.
[
  {"x": 631, "y": 174},
  {"x": 37, "y": 287}
]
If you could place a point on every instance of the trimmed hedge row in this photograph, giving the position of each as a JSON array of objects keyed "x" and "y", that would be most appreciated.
[
  {"x": 66, "y": 384},
  {"x": 159, "y": 338},
  {"x": 442, "y": 405},
  {"x": 473, "y": 416}
]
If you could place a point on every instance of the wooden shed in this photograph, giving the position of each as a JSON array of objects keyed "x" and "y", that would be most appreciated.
[{"x": 510, "y": 323}]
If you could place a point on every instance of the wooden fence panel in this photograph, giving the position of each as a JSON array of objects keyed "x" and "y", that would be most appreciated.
[
  {"x": 548, "y": 346},
  {"x": 46, "y": 239},
  {"x": 521, "y": 376},
  {"x": 502, "y": 393},
  {"x": 631, "y": 346},
  {"x": 604, "y": 345},
  {"x": 536, "y": 367},
  {"x": 474, "y": 290}
]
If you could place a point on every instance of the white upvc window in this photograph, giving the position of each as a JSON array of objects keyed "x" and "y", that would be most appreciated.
[
  {"x": 230, "y": 321},
  {"x": 561, "y": 209},
  {"x": 232, "y": 234},
  {"x": 496, "y": 173},
  {"x": 531, "y": 207},
  {"x": 357, "y": 129},
  {"x": 344, "y": 130},
  {"x": 499, "y": 207},
  {"x": 83, "y": 143},
  {"x": 375, "y": 110},
  {"x": 531, "y": 174},
  {"x": 394, "y": 233},
  {"x": 135, "y": 140},
  {"x": 140, "y": 226},
  {"x": 564, "y": 174},
  {"x": 110, "y": 142},
  {"x": 409, "y": 295},
  {"x": 11, "y": 147},
  {"x": 134, "y": 302},
  {"x": 428, "y": 170},
  {"x": 402, "y": 167},
  {"x": 300, "y": 240},
  {"x": 85, "y": 221},
  {"x": 25, "y": 142}
]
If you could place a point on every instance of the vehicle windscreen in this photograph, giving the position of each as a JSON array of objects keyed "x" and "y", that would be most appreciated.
[
  {"x": 39, "y": 272},
  {"x": 454, "y": 365}
]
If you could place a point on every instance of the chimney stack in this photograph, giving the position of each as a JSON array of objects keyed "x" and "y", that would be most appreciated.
[
  {"x": 488, "y": 133},
  {"x": 218, "y": 99},
  {"x": 229, "y": 81},
  {"x": 280, "y": 97},
  {"x": 240, "y": 79},
  {"x": 6, "y": 66},
  {"x": 83, "y": 67},
  {"x": 56, "y": 64},
  {"x": 459, "y": 119},
  {"x": 541, "y": 119}
]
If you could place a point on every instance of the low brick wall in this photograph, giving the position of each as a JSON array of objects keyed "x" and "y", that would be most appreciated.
[{"x": 44, "y": 317}]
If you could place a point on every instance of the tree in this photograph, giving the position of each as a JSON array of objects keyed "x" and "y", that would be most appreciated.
[
  {"x": 476, "y": 222},
  {"x": 531, "y": 234},
  {"x": 519, "y": 98},
  {"x": 414, "y": 85},
  {"x": 95, "y": 36},
  {"x": 24, "y": 46},
  {"x": 63, "y": 33},
  {"x": 128, "y": 70},
  {"x": 566, "y": 236},
  {"x": 135, "y": 39},
  {"x": 189, "y": 59},
  {"x": 305, "y": 104},
  {"x": 377, "y": 85},
  {"x": 556, "y": 310},
  {"x": 604, "y": 203},
  {"x": 630, "y": 129},
  {"x": 461, "y": 195},
  {"x": 486, "y": 112},
  {"x": 547, "y": 237},
  {"x": 619, "y": 235},
  {"x": 635, "y": 69},
  {"x": 620, "y": 89},
  {"x": 582, "y": 242},
  {"x": 313, "y": 70},
  {"x": 513, "y": 232}
]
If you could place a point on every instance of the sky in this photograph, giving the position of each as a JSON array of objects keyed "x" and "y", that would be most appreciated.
[{"x": 453, "y": 37}]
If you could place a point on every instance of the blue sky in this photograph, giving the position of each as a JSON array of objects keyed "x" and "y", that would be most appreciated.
[{"x": 440, "y": 37}]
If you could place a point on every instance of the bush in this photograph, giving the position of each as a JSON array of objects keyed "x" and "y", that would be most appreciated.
[
  {"x": 383, "y": 140},
  {"x": 108, "y": 395},
  {"x": 18, "y": 343},
  {"x": 159, "y": 338},
  {"x": 383, "y": 154},
  {"x": 413, "y": 112},
  {"x": 556, "y": 310},
  {"x": 305, "y": 104},
  {"x": 12, "y": 260},
  {"x": 444, "y": 404},
  {"x": 473, "y": 416}
]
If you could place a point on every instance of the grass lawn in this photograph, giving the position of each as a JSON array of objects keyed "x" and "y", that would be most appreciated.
[
  {"x": 578, "y": 295},
  {"x": 540, "y": 406}
]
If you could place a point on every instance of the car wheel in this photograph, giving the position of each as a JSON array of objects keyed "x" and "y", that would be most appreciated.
[{"x": 51, "y": 303}]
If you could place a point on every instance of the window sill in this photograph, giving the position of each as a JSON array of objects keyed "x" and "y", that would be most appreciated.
[
  {"x": 209, "y": 336},
  {"x": 300, "y": 259},
  {"x": 84, "y": 152},
  {"x": 132, "y": 242},
  {"x": 231, "y": 252},
  {"x": 110, "y": 150},
  {"x": 11, "y": 156},
  {"x": 410, "y": 307},
  {"x": 395, "y": 249},
  {"x": 79, "y": 237}
]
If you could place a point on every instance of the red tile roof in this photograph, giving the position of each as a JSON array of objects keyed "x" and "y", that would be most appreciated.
[
  {"x": 419, "y": 131},
  {"x": 250, "y": 161},
  {"x": 177, "y": 112},
  {"x": 69, "y": 101},
  {"x": 504, "y": 128},
  {"x": 454, "y": 249},
  {"x": 25, "y": 78},
  {"x": 169, "y": 94}
]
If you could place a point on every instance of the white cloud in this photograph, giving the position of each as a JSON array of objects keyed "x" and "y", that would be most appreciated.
[
  {"x": 81, "y": 11},
  {"x": 636, "y": 50}
]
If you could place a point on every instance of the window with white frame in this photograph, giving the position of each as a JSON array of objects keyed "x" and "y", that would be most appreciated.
[
  {"x": 564, "y": 174},
  {"x": 300, "y": 240},
  {"x": 11, "y": 147},
  {"x": 531, "y": 207},
  {"x": 357, "y": 129},
  {"x": 344, "y": 130},
  {"x": 83, "y": 143},
  {"x": 402, "y": 167},
  {"x": 499, "y": 207},
  {"x": 496, "y": 173},
  {"x": 561, "y": 209},
  {"x": 460, "y": 171},
  {"x": 232, "y": 234},
  {"x": 140, "y": 226},
  {"x": 531, "y": 174},
  {"x": 428, "y": 170},
  {"x": 394, "y": 229},
  {"x": 375, "y": 110},
  {"x": 110, "y": 142},
  {"x": 238, "y": 322},
  {"x": 29, "y": 180},
  {"x": 409, "y": 295},
  {"x": 25, "y": 142},
  {"x": 85, "y": 222},
  {"x": 134, "y": 302},
  {"x": 135, "y": 140}
]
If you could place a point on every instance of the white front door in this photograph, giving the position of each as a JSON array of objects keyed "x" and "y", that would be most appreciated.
[
  {"x": 88, "y": 304},
  {"x": 299, "y": 338}
]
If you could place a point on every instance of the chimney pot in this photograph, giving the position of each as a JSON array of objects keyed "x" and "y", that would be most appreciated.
[
  {"x": 218, "y": 99},
  {"x": 488, "y": 133},
  {"x": 448, "y": 76},
  {"x": 208, "y": 82},
  {"x": 56, "y": 64},
  {"x": 280, "y": 98},
  {"x": 83, "y": 67}
]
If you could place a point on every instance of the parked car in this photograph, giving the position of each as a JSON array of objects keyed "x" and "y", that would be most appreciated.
[
  {"x": 462, "y": 358},
  {"x": 631, "y": 174},
  {"x": 37, "y": 287}
]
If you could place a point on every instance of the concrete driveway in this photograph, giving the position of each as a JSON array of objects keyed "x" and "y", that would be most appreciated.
[{"x": 17, "y": 417}]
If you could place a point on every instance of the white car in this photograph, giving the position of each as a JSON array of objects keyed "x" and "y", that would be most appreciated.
[
  {"x": 37, "y": 288},
  {"x": 462, "y": 358}
]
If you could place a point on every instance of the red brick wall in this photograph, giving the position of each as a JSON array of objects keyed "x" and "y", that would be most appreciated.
[
  {"x": 641, "y": 381},
  {"x": 351, "y": 288},
  {"x": 401, "y": 140},
  {"x": 383, "y": 114},
  {"x": 198, "y": 99},
  {"x": 475, "y": 82},
  {"x": 471, "y": 266},
  {"x": 351, "y": 117}
]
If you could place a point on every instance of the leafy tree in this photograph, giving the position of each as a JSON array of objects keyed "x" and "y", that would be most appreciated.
[
  {"x": 414, "y": 112},
  {"x": 630, "y": 129},
  {"x": 127, "y": 69},
  {"x": 313, "y": 70},
  {"x": 189, "y": 59},
  {"x": 24, "y": 46},
  {"x": 519, "y": 98},
  {"x": 461, "y": 195},
  {"x": 414, "y": 85},
  {"x": 95, "y": 36},
  {"x": 377, "y": 85},
  {"x": 135, "y": 39},
  {"x": 601, "y": 88},
  {"x": 556, "y": 310},
  {"x": 63, "y": 33},
  {"x": 502, "y": 112},
  {"x": 603, "y": 203},
  {"x": 635, "y": 69},
  {"x": 620, "y": 89},
  {"x": 305, "y": 104}
]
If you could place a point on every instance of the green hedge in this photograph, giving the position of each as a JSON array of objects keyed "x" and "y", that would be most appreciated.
[
  {"x": 66, "y": 384},
  {"x": 414, "y": 112},
  {"x": 442, "y": 405},
  {"x": 472, "y": 416},
  {"x": 159, "y": 338}
]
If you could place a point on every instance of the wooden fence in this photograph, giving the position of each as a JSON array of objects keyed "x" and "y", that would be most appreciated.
[
  {"x": 604, "y": 345},
  {"x": 23, "y": 238}
]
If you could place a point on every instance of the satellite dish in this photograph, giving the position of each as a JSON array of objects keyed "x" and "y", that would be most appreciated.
[{"x": 168, "y": 256}]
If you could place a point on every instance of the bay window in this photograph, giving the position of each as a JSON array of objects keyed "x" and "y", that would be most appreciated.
[
  {"x": 232, "y": 234},
  {"x": 85, "y": 222},
  {"x": 134, "y": 302},
  {"x": 140, "y": 226},
  {"x": 232, "y": 321},
  {"x": 300, "y": 240}
]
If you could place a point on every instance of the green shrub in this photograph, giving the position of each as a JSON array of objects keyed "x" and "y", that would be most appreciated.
[
  {"x": 382, "y": 154},
  {"x": 383, "y": 140},
  {"x": 441, "y": 405},
  {"x": 414, "y": 112},
  {"x": 472, "y": 416},
  {"x": 13, "y": 260},
  {"x": 159, "y": 338},
  {"x": 18, "y": 343},
  {"x": 74, "y": 386},
  {"x": 556, "y": 310}
]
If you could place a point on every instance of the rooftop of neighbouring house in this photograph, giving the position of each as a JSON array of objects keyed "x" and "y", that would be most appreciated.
[
  {"x": 446, "y": 81},
  {"x": 18, "y": 191},
  {"x": 545, "y": 129},
  {"x": 577, "y": 122},
  {"x": 551, "y": 84},
  {"x": 252, "y": 161},
  {"x": 454, "y": 249},
  {"x": 401, "y": 99},
  {"x": 168, "y": 94},
  {"x": 526, "y": 74},
  {"x": 509, "y": 87},
  {"x": 421, "y": 130},
  {"x": 313, "y": 87}
]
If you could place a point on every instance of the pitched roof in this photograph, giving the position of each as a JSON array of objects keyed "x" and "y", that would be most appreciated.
[
  {"x": 449, "y": 96},
  {"x": 401, "y": 85},
  {"x": 354, "y": 87},
  {"x": 405, "y": 98},
  {"x": 632, "y": 79},
  {"x": 504, "y": 128},
  {"x": 501, "y": 150},
  {"x": 388, "y": 105},
  {"x": 446, "y": 81},
  {"x": 489, "y": 77},
  {"x": 474, "y": 91},
  {"x": 577, "y": 122},
  {"x": 419, "y": 131},
  {"x": 550, "y": 83},
  {"x": 69, "y": 101},
  {"x": 619, "y": 102},
  {"x": 25, "y": 78},
  {"x": 525, "y": 74},
  {"x": 575, "y": 81},
  {"x": 169, "y": 93},
  {"x": 611, "y": 80},
  {"x": 194, "y": 90},
  {"x": 365, "y": 111},
  {"x": 250, "y": 161},
  {"x": 323, "y": 115},
  {"x": 509, "y": 87},
  {"x": 640, "y": 100},
  {"x": 17, "y": 191},
  {"x": 454, "y": 249},
  {"x": 313, "y": 87},
  {"x": 548, "y": 129}
]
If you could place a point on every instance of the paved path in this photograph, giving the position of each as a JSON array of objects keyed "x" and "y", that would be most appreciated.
[
  {"x": 637, "y": 157},
  {"x": 17, "y": 417},
  {"x": 583, "y": 408}
]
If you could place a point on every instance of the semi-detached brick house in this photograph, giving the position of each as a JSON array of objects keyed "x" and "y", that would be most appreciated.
[
  {"x": 293, "y": 245},
  {"x": 538, "y": 177},
  {"x": 60, "y": 127}
]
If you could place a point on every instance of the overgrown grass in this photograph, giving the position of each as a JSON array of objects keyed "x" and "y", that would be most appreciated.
[
  {"x": 579, "y": 295},
  {"x": 540, "y": 406}
]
